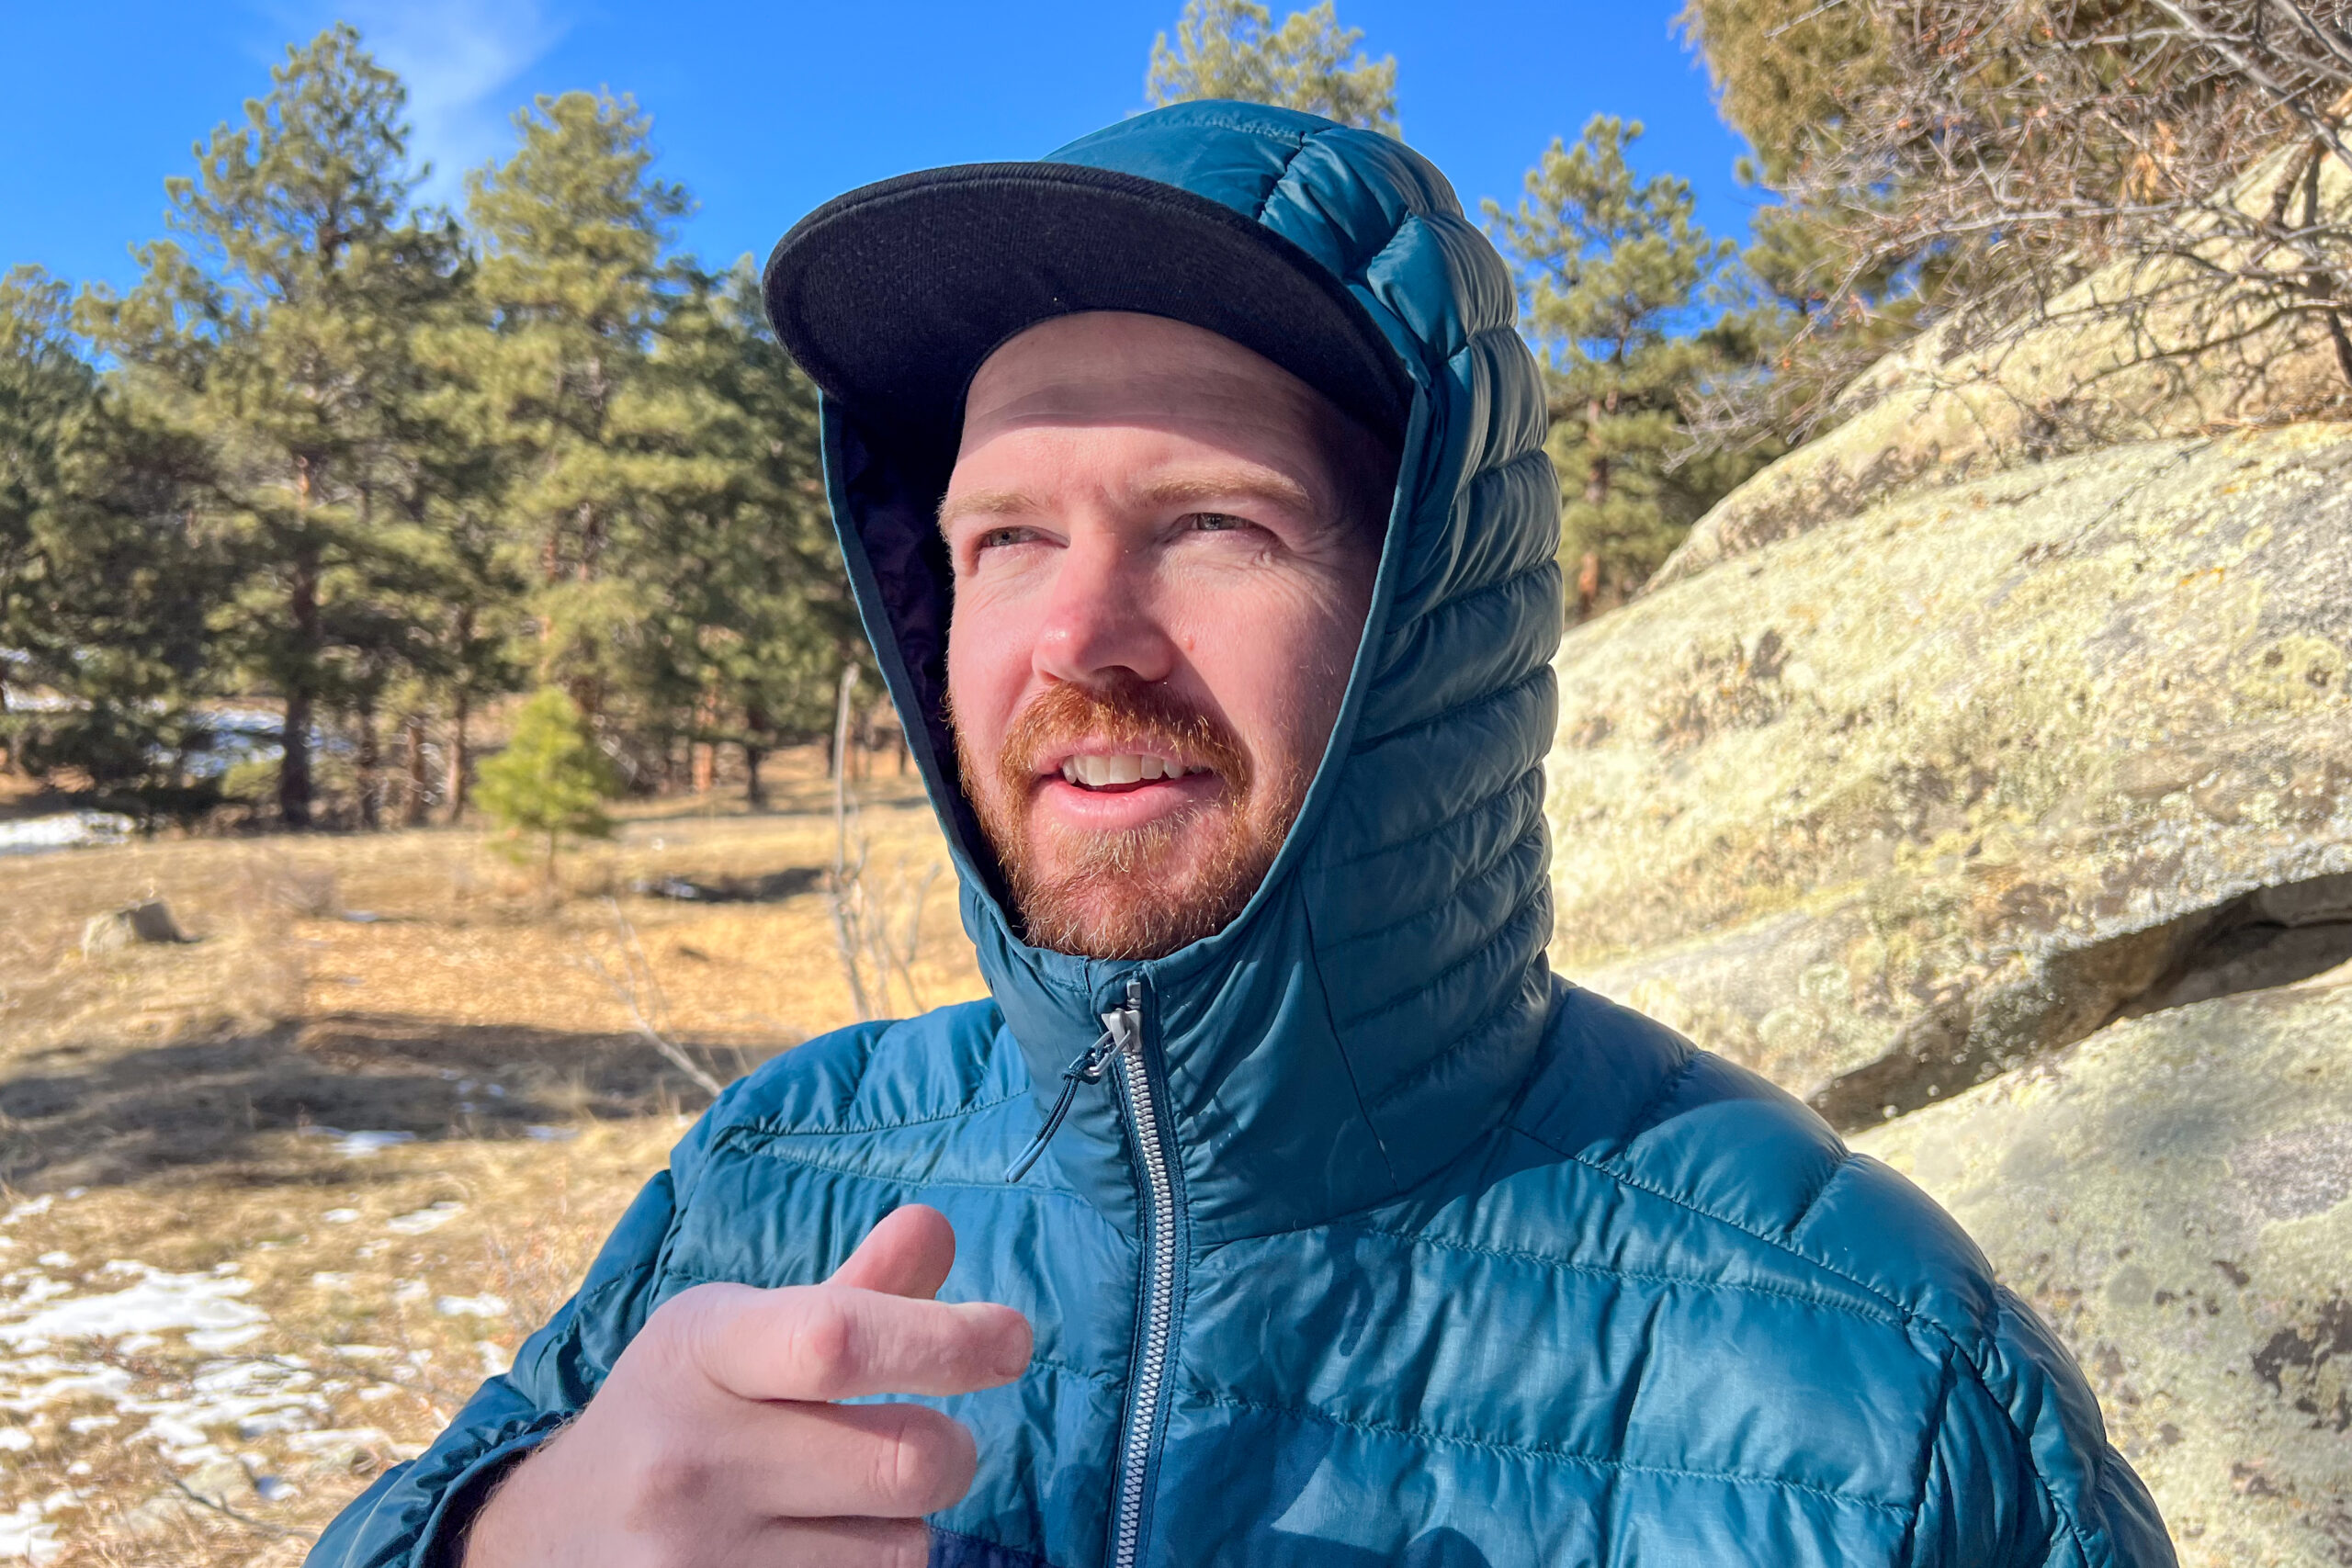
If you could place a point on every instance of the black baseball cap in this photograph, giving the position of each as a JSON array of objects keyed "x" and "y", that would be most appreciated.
[{"x": 892, "y": 296}]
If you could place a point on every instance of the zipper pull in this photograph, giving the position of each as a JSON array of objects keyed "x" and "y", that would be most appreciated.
[{"x": 1122, "y": 1030}]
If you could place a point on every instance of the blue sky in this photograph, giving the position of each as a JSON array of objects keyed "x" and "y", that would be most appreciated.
[{"x": 766, "y": 110}]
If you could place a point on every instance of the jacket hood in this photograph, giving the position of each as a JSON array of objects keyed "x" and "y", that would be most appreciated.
[{"x": 1378, "y": 1003}]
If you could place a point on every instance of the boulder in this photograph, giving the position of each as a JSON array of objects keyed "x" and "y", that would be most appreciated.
[
  {"x": 2141, "y": 348},
  {"x": 144, "y": 922},
  {"x": 1890, "y": 805},
  {"x": 2174, "y": 1196}
]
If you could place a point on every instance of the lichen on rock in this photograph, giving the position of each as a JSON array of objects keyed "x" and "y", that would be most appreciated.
[
  {"x": 1900, "y": 802},
  {"x": 2174, "y": 1196}
]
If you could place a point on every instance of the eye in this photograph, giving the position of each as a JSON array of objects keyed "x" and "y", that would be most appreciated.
[
  {"x": 1011, "y": 533},
  {"x": 1216, "y": 523}
]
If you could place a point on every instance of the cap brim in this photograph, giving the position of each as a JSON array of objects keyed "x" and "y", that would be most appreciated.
[{"x": 892, "y": 296}]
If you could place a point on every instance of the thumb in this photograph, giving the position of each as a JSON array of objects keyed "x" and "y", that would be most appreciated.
[{"x": 907, "y": 1254}]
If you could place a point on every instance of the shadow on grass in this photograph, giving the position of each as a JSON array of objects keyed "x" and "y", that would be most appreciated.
[{"x": 93, "y": 1114}]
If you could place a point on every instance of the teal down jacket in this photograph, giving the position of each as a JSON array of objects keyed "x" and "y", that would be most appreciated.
[{"x": 1389, "y": 1247}]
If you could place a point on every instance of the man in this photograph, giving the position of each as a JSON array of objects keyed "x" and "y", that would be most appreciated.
[{"x": 1280, "y": 1206}]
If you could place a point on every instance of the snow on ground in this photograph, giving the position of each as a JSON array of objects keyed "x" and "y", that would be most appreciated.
[
  {"x": 178, "y": 1362},
  {"x": 64, "y": 831},
  {"x": 24, "y": 1533}
]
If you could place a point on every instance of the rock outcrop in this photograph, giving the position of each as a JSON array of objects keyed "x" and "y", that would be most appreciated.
[
  {"x": 1914, "y": 795},
  {"x": 2175, "y": 1197},
  {"x": 2140, "y": 349}
]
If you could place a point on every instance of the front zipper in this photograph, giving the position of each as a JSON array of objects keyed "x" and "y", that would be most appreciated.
[
  {"x": 1121, "y": 1042},
  {"x": 1159, "y": 1314}
]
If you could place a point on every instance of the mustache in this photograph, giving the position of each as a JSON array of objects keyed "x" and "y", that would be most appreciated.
[{"x": 1124, "y": 715}]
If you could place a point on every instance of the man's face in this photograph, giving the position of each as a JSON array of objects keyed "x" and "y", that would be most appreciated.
[{"x": 1164, "y": 546}]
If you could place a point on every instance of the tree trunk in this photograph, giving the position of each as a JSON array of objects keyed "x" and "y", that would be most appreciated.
[
  {"x": 302, "y": 615},
  {"x": 705, "y": 748},
  {"x": 755, "y": 722},
  {"x": 369, "y": 761},
  {"x": 294, "y": 761},
  {"x": 458, "y": 778},
  {"x": 412, "y": 801}
]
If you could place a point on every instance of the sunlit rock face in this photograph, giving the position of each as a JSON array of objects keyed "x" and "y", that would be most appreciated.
[
  {"x": 1925, "y": 791},
  {"x": 2173, "y": 1195}
]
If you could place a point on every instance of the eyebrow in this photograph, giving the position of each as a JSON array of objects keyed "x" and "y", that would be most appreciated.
[{"x": 1213, "y": 484}]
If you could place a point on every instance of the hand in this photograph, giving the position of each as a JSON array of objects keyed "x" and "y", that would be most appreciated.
[{"x": 712, "y": 1440}]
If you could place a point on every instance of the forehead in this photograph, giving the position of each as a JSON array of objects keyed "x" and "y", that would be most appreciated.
[{"x": 1107, "y": 369}]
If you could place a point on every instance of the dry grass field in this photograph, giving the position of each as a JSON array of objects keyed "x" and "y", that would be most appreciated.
[{"x": 276, "y": 1198}]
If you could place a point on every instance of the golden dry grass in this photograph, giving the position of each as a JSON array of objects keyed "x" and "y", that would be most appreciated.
[{"x": 179, "y": 1108}]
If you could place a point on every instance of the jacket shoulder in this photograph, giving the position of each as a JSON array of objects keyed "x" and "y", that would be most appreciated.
[
  {"x": 1630, "y": 1099},
  {"x": 877, "y": 1076},
  {"x": 1758, "y": 1185},
  {"x": 940, "y": 1097}
]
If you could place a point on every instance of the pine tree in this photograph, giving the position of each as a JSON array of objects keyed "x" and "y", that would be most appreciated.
[
  {"x": 1230, "y": 48},
  {"x": 281, "y": 335},
  {"x": 754, "y": 579},
  {"x": 103, "y": 584},
  {"x": 470, "y": 624},
  {"x": 551, "y": 782},
  {"x": 574, "y": 230},
  {"x": 1615, "y": 270}
]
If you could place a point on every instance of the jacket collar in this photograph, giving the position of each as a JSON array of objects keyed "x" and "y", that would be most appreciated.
[{"x": 1375, "y": 1007}]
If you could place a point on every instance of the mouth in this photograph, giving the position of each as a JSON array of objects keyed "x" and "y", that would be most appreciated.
[{"x": 1119, "y": 772}]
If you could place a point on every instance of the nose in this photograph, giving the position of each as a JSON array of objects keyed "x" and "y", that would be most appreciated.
[{"x": 1099, "y": 620}]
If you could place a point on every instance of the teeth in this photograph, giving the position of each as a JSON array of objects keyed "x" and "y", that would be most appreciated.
[{"x": 1096, "y": 771}]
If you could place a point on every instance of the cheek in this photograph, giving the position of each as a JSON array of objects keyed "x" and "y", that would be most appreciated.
[
  {"x": 987, "y": 665},
  {"x": 1275, "y": 654}
]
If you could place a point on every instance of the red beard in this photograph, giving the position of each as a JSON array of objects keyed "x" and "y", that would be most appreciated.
[{"x": 1141, "y": 892}]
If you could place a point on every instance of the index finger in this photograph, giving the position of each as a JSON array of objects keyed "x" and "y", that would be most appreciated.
[{"x": 825, "y": 1342}]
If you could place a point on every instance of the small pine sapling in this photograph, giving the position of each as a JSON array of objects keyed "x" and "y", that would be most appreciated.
[{"x": 550, "y": 783}]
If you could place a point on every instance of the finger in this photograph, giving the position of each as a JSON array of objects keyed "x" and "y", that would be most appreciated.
[
  {"x": 845, "y": 1544},
  {"x": 907, "y": 1254},
  {"x": 836, "y": 1342},
  {"x": 795, "y": 1459}
]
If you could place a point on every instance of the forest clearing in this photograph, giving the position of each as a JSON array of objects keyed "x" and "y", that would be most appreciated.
[{"x": 316, "y": 1171}]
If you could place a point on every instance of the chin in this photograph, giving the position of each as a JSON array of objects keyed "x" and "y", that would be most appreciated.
[{"x": 1125, "y": 900}]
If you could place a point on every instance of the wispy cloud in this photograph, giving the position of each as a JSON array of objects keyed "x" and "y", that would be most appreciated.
[{"x": 461, "y": 59}]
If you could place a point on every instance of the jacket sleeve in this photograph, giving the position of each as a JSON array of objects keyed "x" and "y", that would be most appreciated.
[
  {"x": 2020, "y": 1472},
  {"x": 413, "y": 1514}
]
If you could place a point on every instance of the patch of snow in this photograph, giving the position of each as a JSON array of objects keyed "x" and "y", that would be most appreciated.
[
  {"x": 64, "y": 831},
  {"x": 28, "y": 1209},
  {"x": 200, "y": 1302},
  {"x": 337, "y": 1438},
  {"x": 56, "y": 1260},
  {"x": 360, "y": 1144},
  {"x": 471, "y": 1306},
  {"x": 340, "y": 1216},
  {"x": 417, "y": 1221},
  {"x": 15, "y": 1439},
  {"x": 24, "y": 1534},
  {"x": 496, "y": 1357}
]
